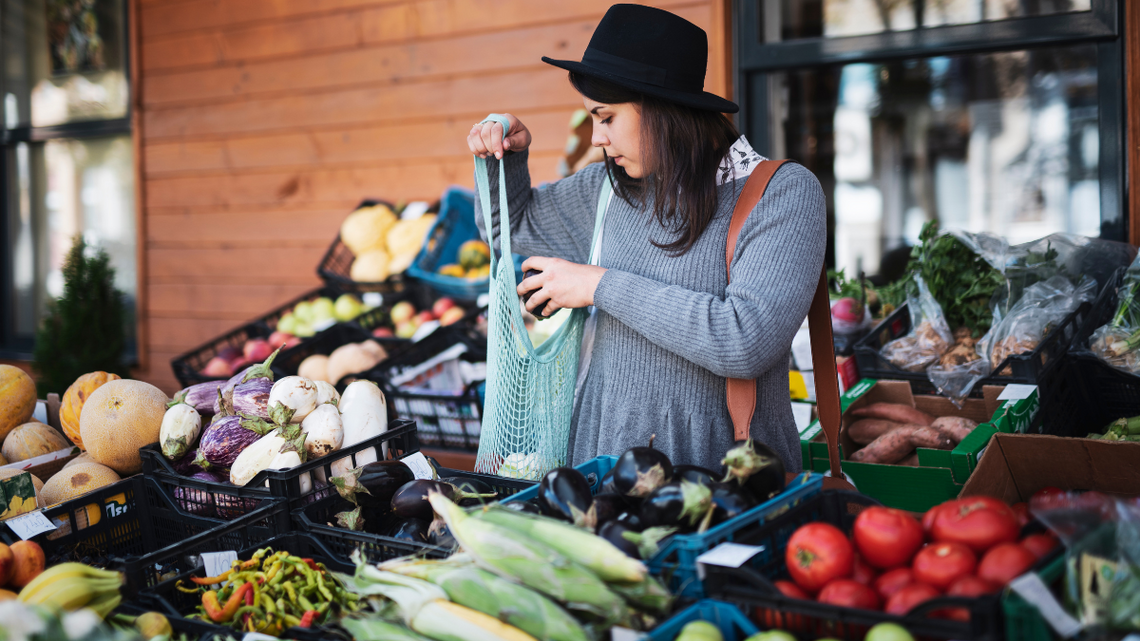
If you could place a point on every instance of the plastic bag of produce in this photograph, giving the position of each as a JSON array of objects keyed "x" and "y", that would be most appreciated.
[
  {"x": 929, "y": 337},
  {"x": 1117, "y": 341}
]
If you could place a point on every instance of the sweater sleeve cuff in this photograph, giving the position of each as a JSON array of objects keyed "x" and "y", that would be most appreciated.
[{"x": 611, "y": 291}]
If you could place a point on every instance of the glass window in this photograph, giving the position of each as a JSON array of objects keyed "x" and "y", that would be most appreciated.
[
  {"x": 65, "y": 61},
  {"x": 839, "y": 18},
  {"x": 1003, "y": 142}
]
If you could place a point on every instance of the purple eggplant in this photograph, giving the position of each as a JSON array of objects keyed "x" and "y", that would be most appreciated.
[
  {"x": 223, "y": 404},
  {"x": 187, "y": 465},
  {"x": 201, "y": 396},
  {"x": 252, "y": 398},
  {"x": 226, "y": 437},
  {"x": 196, "y": 501},
  {"x": 231, "y": 507}
]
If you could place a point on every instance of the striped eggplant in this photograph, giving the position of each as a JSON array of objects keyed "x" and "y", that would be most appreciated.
[
  {"x": 201, "y": 397},
  {"x": 252, "y": 398},
  {"x": 197, "y": 501},
  {"x": 226, "y": 437},
  {"x": 223, "y": 404}
]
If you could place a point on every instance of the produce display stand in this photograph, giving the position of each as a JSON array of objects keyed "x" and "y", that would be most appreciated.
[
  {"x": 733, "y": 625},
  {"x": 676, "y": 561},
  {"x": 230, "y": 501},
  {"x": 316, "y": 519},
  {"x": 750, "y": 588},
  {"x": 325, "y": 342},
  {"x": 336, "y": 265},
  {"x": 940, "y": 474}
]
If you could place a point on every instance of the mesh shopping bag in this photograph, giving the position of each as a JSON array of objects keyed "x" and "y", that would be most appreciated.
[{"x": 530, "y": 390}]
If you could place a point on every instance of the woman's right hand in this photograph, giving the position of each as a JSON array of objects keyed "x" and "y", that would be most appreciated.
[{"x": 487, "y": 138}]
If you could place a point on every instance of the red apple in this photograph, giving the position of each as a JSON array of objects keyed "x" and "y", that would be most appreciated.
[
  {"x": 441, "y": 306},
  {"x": 218, "y": 367},
  {"x": 402, "y": 311},
  {"x": 453, "y": 315},
  {"x": 422, "y": 317},
  {"x": 257, "y": 350},
  {"x": 240, "y": 363},
  {"x": 406, "y": 329},
  {"x": 230, "y": 354},
  {"x": 383, "y": 332},
  {"x": 279, "y": 339}
]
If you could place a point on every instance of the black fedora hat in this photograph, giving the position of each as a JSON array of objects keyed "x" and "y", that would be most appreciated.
[{"x": 651, "y": 51}]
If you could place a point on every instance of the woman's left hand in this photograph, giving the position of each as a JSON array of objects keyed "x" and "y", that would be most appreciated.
[{"x": 563, "y": 283}]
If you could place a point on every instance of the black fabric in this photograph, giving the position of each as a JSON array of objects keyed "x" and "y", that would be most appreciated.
[{"x": 650, "y": 51}]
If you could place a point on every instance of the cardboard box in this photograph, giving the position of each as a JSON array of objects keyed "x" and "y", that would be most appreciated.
[
  {"x": 940, "y": 474},
  {"x": 1017, "y": 465}
]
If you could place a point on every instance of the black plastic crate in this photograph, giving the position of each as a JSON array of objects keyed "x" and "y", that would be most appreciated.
[
  {"x": 1033, "y": 368},
  {"x": 318, "y": 518},
  {"x": 187, "y": 367},
  {"x": 750, "y": 587},
  {"x": 335, "y": 267},
  {"x": 179, "y": 562},
  {"x": 325, "y": 342},
  {"x": 446, "y": 420},
  {"x": 235, "y": 501}
]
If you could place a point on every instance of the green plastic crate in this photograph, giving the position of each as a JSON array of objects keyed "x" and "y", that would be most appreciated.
[{"x": 1023, "y": 621}]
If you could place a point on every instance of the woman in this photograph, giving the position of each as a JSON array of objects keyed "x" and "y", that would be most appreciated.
[{"x": 670, "y": 328}]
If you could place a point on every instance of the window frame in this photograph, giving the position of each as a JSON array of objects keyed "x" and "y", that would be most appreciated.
[
  {"x": 756, "y": 62},
  {"x": 20, "y": 349}
]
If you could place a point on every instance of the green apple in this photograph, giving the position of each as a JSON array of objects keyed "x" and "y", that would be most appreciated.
[
  {"x": 288, "y": 324},
  {"x": 303, "y": 330},
  {"x": 303, "y": 311},
  {"x": 700, "y": 631},
  {"x": 402, "y": 311},
  {"x": 772, "y": 635},
  {"x": 888, "y": 632},
  {"x": 347, "y": 307},
  {"x": 323, "y": 310}
]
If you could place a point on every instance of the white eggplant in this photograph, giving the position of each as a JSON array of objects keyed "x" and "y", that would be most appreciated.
[
  {"x": 324, "y": 432},
  {"x": 292, "y": 399},
  {"x": 287, "y": 459},
  {"x": 181, "y": 426},
  {"x": 363, "y": 415},
  {"x": 326, "y": 393},
  {"x": 256, "y": 457}
]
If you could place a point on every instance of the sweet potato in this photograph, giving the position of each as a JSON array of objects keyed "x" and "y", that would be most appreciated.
[
  {"x": 954, "y": 428},
  {"x": 891, "y": 447},
  {"x": 894, "y": 412},
  {"x": 910, "y": 461},
  {"x": 867, "y": 430},
  {"x": 930, "y": 438}
]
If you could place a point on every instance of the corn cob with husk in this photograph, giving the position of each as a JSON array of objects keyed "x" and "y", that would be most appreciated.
[
  {"x": 581, "y": 546},
  {"x": 425, "y": 609},
  {"x": 516, "y": 557},
  {"x": 648, "y": 596},
  {"x": 376, "y": 629}
]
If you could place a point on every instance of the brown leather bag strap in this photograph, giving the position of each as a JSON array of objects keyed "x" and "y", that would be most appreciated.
[{"x": 741, "y": 393}]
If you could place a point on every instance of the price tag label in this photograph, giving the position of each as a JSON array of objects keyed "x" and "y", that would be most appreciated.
[
  {"x": 28, "y": 525},
  {"x": 218, "y": 562},
  {"x": 372, "y": 299},
  {"x": 727, "y": 555},
  {"x": 618, "y": 633},
  {"x": 1033, "y": 589},
  {"x": 420, "y": 466},
  {"x": 1016, "y": 392},
  {"x": 257, "y": 636}
]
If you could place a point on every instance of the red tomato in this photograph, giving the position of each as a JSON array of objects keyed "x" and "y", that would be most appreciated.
[
  {"x": 979, "y": 522},
  {"x": 862, "y": 572},
  {"x": 1040, "y": 545},
  {"x": 789, "y": 589},
  {"x": 1005, "y": 562},
  {"x": 940, "y": 564},
  {"x": 928, "y": 518},
  {"x": 891, "y": 580},
  {"x": 886, "y": 537},
  {"x": 850, "y": 594},
  {"x": 1021, "y": 511},
  {"x": 1046, "y": 491},
  {"x": 967, "y": 586},
  {"x": 817, "y": 554},
  {"x": 908, "y": 597}
]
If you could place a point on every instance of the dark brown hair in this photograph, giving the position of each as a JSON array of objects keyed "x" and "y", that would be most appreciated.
[{"x": 681, "y": 149}]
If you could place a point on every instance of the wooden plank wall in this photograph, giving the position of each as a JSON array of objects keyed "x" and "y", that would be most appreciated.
[{"x": 262, "y": 122}]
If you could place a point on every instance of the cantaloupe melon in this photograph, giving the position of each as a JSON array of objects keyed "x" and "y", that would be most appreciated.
[
  {"x": 83, "y": 457},
  {"x": 17, "y": 398},
  {"x": 31, "y": 440},
  {"x": 77, "y": 480},
  {"x": 71, "y": 405},
  {"x": 36, "y": 483},
  {"x": 118, "y": 419}
]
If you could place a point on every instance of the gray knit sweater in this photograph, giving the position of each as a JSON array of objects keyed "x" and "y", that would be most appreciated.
[{"x": 670, "y": 329}]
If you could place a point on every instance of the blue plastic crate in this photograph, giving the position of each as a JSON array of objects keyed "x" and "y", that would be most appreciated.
[
  {"x": 454, "y": 226},
  {"x": 676, "y": 561},
  {"x": 734, "y": 626}
]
